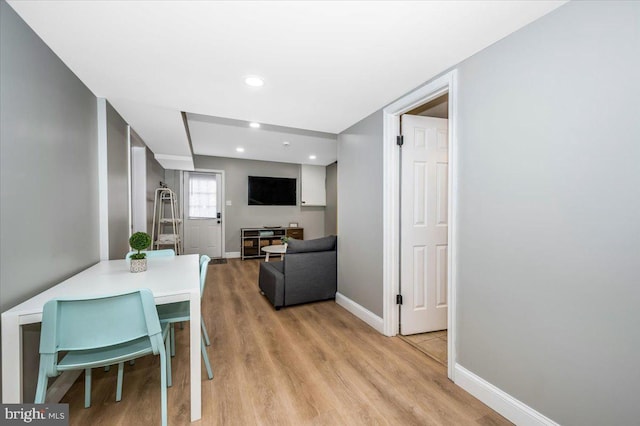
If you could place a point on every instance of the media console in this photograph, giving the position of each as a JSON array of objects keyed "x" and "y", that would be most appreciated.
[{"x": 252, "y": 239}]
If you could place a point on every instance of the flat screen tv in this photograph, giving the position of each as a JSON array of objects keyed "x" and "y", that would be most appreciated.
[{"x": 272, "y": 191}]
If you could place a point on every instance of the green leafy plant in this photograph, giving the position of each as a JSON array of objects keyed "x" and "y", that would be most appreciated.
[
  {"x": 139, "y": 241},
  {"x": 285, "y": 240}
]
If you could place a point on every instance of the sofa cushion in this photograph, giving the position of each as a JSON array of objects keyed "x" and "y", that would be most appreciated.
[{"x": 306, "y": 246}]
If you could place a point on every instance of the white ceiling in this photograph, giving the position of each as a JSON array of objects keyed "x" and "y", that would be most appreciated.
[
  {"x": 326, "y": 64},
  {"x": 220, "y": 137}
]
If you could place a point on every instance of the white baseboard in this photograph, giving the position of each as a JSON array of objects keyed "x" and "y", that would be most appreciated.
[
  {"x": 361, "y": 312},
  {"x": 232, "y": 255},
  {"x": 508, "y": 406}
]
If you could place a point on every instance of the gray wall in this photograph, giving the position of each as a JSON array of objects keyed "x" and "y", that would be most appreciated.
[
  {"x": 118, "y": 184},
  {"x": 548, "y": 208},
  {"x": 360, "y": 213},
  {"x": 241, "y": 215},
  {"x": 48, "y": 163},
  {"x": 549, "y": 202},
  {"x": 331, "y": 209}
]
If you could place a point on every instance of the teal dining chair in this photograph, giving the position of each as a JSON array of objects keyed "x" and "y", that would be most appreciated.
[
  {"x": 204, "y": 259},
  {"x": 170, "y": 314},
  {"x": 100, "y": 331},
  {"x": 150, "y": 254},
  {"x": 178, "y": 312},
  {"x": 153, "y": 253}
]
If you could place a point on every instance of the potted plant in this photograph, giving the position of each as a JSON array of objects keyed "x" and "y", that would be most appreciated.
[
  {"x": 285, "y": 241},
  {"x": 139, "y": 241}
]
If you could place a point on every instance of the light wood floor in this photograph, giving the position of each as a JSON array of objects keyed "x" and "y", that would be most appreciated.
[
  {"x": 433, "y": 344},
  {"x": 313, "y": 364}
]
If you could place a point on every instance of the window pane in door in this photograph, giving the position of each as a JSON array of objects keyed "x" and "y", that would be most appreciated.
[{"x": 202, "y": 196}]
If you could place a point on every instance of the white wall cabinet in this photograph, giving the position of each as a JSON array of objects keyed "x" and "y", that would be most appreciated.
[{"x": 313, "y": 184}]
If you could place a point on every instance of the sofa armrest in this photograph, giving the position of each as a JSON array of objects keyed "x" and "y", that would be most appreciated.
[{"x": 271, "y": 282}]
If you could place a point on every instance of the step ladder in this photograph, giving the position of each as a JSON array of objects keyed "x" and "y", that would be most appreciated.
[{"x": 166, "y": 220}]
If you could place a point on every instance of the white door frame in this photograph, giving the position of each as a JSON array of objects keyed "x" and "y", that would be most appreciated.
[
  {"x": 138, "y": 189},
  {"x": 223, "y": 203},
  {"x": 391, "y": 205}
]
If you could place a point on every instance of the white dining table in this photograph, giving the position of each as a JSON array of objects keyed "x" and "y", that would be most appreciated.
[{"x": 170, "y": 279}]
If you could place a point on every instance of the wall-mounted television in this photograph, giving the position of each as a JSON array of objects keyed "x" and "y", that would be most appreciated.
[{"x": 272, "y": 191}]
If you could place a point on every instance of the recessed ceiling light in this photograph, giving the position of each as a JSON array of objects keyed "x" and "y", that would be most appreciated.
[
  {"x": 312, "y": 157},
  {"x": 286, "y": 144},
  {"x": 240, "y": 149},
  {"x": 254, "y": 81},
  {"x": 254, "y": 125}
]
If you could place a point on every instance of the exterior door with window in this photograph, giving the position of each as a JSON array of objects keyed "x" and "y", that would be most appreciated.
[{"x": 202, "y": 214}]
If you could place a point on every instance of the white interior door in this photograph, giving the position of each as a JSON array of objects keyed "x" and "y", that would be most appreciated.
[
  {"x": 423, "y": 226},
  {"x": 202, "y": 214}
]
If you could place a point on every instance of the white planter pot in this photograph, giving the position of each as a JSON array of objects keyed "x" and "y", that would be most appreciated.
[{"x": 138, "y": 265}]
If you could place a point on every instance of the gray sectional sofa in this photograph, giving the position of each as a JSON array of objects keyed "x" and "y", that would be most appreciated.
[{"x": 308, "y": 273}]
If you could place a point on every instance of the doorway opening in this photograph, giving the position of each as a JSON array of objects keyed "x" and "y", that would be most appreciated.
[
  {"x": 140, "y": 211},
  {"x": 424, "y": 227},
  {"x": 441, "y": 256}
]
